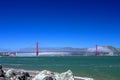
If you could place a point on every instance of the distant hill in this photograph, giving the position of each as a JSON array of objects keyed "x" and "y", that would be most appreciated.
[
  {"x": 118, "y": 49},
  {"x": 115, "y": 50}
]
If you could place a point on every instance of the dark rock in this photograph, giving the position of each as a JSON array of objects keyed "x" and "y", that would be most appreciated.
[
  {"x": 24, "y": 76},
  {"x": 48, "y": 78}
]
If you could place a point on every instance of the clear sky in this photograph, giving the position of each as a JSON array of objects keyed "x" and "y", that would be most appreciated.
[{"x": 59, "y": 23}]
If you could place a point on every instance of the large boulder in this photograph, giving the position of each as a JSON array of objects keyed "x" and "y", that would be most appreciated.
[
  {"x": 48, "y": 75},
  {"x": 66, "y": 75},
  {"x": 10, "y": 73},
  {"x": 1, "y": 71}
]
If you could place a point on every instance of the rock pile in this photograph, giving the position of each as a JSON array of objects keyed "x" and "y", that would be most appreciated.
[{"x": 13, "y": 74}]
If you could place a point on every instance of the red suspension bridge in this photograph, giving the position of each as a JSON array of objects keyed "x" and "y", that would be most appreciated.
[{"x": 50, "y": 51}]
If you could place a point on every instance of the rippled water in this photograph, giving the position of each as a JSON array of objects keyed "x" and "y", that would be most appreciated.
[{"x": 99, "y": 68}]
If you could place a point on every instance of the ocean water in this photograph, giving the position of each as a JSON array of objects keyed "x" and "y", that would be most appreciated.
[{"x": 97, "y": 67}]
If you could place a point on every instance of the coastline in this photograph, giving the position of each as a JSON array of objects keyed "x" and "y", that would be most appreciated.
[{"x": 33, "y": 73}]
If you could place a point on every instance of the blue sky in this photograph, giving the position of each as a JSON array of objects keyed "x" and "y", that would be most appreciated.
[{"x": 59, "y": 23}]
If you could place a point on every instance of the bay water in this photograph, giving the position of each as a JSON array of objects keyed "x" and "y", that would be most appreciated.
[{"x": 97, "y": 67}]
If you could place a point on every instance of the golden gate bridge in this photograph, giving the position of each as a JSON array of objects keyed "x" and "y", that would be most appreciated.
[{"x": 37, "y": 52}]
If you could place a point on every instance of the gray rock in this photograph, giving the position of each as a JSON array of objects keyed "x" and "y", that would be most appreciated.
[
  {"x": 48, "y": 75},
  {"x": 10, "y": 73}
]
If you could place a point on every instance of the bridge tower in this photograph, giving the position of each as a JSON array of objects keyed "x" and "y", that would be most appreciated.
[
  {"x": 96, "y": 50},
  {"x": 37, "y": 52}
]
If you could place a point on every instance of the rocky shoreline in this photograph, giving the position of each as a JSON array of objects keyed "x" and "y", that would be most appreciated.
[{"x": 21, "y": 74}]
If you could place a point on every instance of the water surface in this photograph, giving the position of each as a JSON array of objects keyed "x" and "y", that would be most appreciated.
[{"x": 99, "y": 68}]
